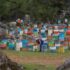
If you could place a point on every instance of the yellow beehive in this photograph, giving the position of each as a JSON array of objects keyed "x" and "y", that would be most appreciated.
[
  {"x": 61, "y": 50},
  {"x": 51, "y": 45}
]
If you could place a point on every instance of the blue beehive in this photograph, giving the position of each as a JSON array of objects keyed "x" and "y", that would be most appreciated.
[
  {"x": 61, "y": 36},
  {"x": 45, "y": 46},
  {"x": 11, "y": 45},
  {"x": 25, "y": 43}
]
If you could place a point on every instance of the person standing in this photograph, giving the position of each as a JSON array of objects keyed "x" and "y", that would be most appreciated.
[{"x": 41, "y": 44}]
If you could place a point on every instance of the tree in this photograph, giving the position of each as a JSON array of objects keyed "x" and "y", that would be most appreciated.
[{"x": 35, "y": 8}]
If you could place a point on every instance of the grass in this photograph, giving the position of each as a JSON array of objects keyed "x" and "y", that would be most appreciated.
[
  {"x": 39, "y": 67},
  {"x": 34, "y": 54},
  {"x": 37, "y": 55}
]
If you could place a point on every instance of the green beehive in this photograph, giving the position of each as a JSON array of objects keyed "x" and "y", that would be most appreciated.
[
  {"x": 51, "y": 43},
  {"x": 55, "y": 37}
]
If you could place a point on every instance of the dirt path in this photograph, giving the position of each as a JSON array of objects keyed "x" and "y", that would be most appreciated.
[{"x": 36, "y": 59}]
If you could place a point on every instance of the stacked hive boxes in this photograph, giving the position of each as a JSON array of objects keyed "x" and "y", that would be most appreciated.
[{"x": 55, "y": 38}]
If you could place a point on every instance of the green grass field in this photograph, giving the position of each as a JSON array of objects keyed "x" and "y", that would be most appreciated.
[
  {"x": 39, "y": 67},
  {"x": 38, "y": 60}
]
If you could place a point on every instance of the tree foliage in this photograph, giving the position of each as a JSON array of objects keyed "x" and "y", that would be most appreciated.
[{"x": 10, "y": 9}]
